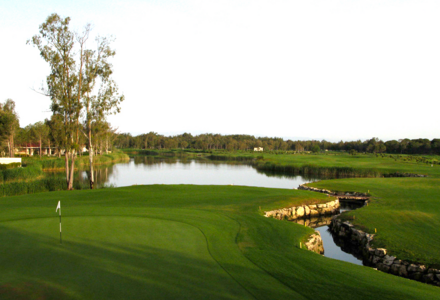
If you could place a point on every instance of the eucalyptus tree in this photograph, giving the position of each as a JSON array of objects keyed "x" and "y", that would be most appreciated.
[
  {"x": 9, "y": 123},
  {"x": 57, "y": 45},
  {"x": 101, "y": 96},
  {"x": 40, "y": 131},
  {"x": 55, "y": 124},
  {"x": 72, "y": 82}
]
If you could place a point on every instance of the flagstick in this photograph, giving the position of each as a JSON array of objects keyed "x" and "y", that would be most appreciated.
[
  {"x": 59, "y": 208},
  {"x": 61, "y": 241}
]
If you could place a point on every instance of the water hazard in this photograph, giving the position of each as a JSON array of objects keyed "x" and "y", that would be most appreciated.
[{"x": 151, "y": 170}]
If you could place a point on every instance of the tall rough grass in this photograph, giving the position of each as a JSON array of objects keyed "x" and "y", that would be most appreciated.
[
  {"x": 30, "y": 170},
  {"x": 83, "y": 161},
  {"x": 37, "y": 186},
  {"x": 31, "y": 178}
]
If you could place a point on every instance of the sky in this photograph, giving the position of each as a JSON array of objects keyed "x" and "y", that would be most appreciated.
[{"x": 309, "y": 69}]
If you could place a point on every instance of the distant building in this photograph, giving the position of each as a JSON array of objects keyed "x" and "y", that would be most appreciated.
[
  {"x": 258, "y": 149},
  {"x": 31, "y": 149}
]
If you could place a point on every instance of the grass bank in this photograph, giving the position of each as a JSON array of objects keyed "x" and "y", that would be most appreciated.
[
  {"x": 404, "y": 211},
  {"x": 343, "y": 165},
  {"x": 175, "y": 242}
]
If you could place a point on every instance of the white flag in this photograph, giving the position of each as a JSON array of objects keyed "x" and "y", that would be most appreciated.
[{"x": 58, "y": 206}]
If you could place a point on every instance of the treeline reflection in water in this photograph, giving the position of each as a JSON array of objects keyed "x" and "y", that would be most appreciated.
[{"x": 178, "y": 170}]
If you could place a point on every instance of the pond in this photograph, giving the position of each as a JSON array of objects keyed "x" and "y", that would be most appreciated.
[{"x": 152, "y": 170}]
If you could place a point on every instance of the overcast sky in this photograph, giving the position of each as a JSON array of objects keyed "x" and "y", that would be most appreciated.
[{"x": 309, "y": 69}]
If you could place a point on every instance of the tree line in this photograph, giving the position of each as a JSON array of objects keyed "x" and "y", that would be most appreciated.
[
  {"x": 46, "y": 134},
  {"x": 208, "y": 141}
]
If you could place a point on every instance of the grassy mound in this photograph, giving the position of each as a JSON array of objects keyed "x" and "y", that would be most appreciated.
[{"x": 175, "y": 242}]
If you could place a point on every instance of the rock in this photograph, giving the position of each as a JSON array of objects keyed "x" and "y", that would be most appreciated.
[
  {"x": 437, "y": 276},
  {"x": 294, "y": 216},
  {"x": 428, "y": 278},
  {"x": 315, "y": 243},
  {"x": 416, "y": 268},
  {"x": 384, "y": 268},
  {"x": 314, "y": 213},
  {"x": 312, "y": 206},
  {"x": 376, "y": 259},
  {"x": 412, "y": 268},
  {"x": 388, "y": 260},
  {"x": 306, "y": 210},
  {"x": 381, "y": 252},
  {"x": 395, "y": 269},
  {"x": 403, "y": 271},
  {"x": 300, "y": 211},
  {"x": 416, "y": 276}
]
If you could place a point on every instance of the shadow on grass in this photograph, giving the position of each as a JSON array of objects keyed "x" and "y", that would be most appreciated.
[{"x": 38, "y": 267}]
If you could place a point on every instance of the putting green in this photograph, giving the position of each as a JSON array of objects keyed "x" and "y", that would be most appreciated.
[{"x": 163, "y": 259}]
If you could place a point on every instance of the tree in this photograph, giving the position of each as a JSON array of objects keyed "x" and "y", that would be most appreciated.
[
  {"x": 9, "y": 123},
  {"x": 40, "y": 131},
  {"x": 106, "y": 101},
  {"x": 316, "y": 149},
  {"x": 55, "y": 125},
  {"x": 71, "y": 82}
]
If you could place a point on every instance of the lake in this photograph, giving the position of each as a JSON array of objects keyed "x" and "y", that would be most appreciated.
[{"x": 151, "y": 170}]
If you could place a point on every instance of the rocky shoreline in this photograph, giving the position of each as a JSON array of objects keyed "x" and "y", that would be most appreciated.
[
  {"x": 379, "y": 258},
  {"x": 359, "y": 241}
]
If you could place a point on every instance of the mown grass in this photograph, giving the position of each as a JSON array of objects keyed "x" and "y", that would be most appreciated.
[
  {"x": 175, "y": 242},
  {"x": 344, "y": 165},
  {"x": 404, "y": 211}
]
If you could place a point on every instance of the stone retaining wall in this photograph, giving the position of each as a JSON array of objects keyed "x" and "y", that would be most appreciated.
[
  {"x": 304, "y": 211},
  {"x": 348, "y": 195},
  {"x": 378, "y": 257}
]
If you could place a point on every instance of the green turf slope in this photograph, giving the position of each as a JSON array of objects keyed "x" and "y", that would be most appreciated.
[
  {"x": 175, "y": 242},
  {"x": 404, "y": 211}
]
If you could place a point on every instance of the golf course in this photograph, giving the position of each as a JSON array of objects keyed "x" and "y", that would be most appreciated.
[{"x": 199, "y": 242}]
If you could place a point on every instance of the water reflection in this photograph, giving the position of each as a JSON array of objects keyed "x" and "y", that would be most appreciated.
[{"x": 334, "y": 247}]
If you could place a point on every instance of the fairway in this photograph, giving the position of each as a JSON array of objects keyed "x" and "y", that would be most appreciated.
[{"x": 175, "y": 242}]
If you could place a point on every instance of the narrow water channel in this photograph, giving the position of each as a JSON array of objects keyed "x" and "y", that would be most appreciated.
[{"x": 333, "y": 246}]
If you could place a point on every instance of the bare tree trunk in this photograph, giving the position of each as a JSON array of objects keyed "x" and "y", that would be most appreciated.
[
  {"x": 66, "y": 156},
  {"x": 72, "y": 169},
  {"x": 91, "y": 176},
  {"x": 11, "y": 146}
]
